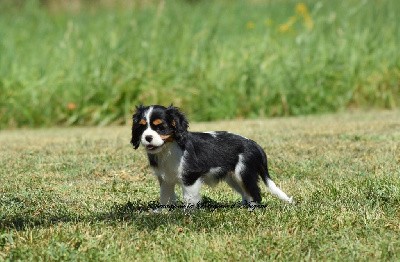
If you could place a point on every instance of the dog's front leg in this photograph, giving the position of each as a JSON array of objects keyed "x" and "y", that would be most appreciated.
[
  {"x": 191, "y": 194},
  {"x": 167, "y": 192}
]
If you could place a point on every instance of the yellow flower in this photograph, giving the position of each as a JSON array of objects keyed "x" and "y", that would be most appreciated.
[
  {"x": 283, "y": 28},
  {"x": 288, "y": 25},
  {"x": 303, "y": 14},
  {"x": 301, "y": 9}
]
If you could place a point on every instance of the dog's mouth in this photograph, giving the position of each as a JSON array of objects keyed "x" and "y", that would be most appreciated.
[{"x": 152, "y": 147}]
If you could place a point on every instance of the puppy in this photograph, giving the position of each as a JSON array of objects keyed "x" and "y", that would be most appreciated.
[{"x": 191, "y": 159}]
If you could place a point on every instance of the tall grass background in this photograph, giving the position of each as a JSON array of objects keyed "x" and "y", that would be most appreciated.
[{"x": 91, "y": 62}]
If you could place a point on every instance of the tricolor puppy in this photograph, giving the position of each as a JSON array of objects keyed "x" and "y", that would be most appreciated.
[{"x": 191, "y": 159}]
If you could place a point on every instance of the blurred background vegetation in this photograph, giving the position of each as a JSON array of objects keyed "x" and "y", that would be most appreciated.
[{"x": 88, "y": 62}]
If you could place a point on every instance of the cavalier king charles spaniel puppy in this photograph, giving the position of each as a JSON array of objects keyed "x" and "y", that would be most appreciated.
[{"x": 191, "y": 159}]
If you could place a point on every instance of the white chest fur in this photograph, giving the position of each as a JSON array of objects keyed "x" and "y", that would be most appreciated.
[{"x": 170, "y": 163}]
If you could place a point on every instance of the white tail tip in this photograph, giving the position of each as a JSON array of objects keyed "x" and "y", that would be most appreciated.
[{"x": 278, "y": 192}]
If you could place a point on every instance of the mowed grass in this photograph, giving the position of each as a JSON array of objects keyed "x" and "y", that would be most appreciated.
[
  {"x": 215, "y": 59},
  {"x": 85, "y": 194}
]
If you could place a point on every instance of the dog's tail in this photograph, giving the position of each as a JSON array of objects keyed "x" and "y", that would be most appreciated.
[{"x": 268, "y": 181}]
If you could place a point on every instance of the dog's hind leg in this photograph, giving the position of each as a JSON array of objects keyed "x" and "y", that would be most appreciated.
[
  {"x": 235, "y": 185},
  {"x": 249, "y": 178},
  {"x": 246, "y": 179}
]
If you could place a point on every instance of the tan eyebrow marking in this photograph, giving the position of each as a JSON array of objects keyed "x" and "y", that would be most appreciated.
[
  {"x": 142, "y": 122},
  {"x": 157, "y": 122}
]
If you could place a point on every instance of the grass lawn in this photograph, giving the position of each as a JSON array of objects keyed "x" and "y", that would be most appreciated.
[{"x": 84, "y": 194}]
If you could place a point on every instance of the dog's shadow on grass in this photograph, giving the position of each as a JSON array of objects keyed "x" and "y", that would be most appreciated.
[
  {"x": 143, "y": 215},
  {"x": 151, "y": 215}
]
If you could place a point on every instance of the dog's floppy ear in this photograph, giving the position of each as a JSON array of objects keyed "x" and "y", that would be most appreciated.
[
  {"x": 180, "y": 124},
  {"x": 137, "y": 128}
]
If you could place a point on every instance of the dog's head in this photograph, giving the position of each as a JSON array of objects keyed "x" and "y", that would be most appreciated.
[{"x": 153, "y": 126}]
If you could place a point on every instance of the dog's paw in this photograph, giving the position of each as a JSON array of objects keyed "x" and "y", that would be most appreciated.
[
  {"x": 157, "y": 210},
  {"x": 160, "y": 210}
]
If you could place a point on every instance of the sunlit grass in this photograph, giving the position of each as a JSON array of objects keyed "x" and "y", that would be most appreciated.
[{"x": 84, "y": 194}]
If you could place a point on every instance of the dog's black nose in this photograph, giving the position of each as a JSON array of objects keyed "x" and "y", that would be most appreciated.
[{"x": 148, "y": 138}]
